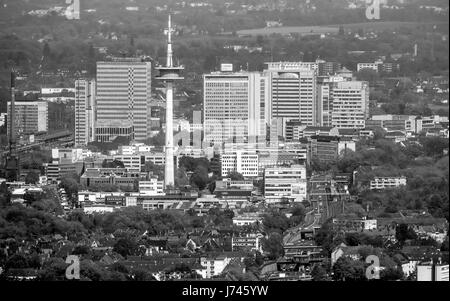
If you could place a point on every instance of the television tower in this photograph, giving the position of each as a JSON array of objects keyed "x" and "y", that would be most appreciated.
[{"x": 168, "y": 75}]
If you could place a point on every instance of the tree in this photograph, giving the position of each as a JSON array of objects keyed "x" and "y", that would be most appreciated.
[
  {"x": 318, "y": 273},
  {"x": 403, "y": 232},
  {"x": 298, "y": 215},
  {"x": 53, "y": 269},
  {"x": 70, "y": 185},
  {"x": 113, "y": 164},
  {"x": 81, "y": 250},
  {"x": 46, "y": 52},
  {"x": 326, "y": 237},
  {"x": 444, "y": 246},
  {"x": 142, "y": 275},
  {"x": 352, "y": 239},
  {"x": 434, "y": 146},
  {"x": 275, "y": 222},
  {"x": 346, "y": 269},
  {"x": 32, "y": 178},
  {"x": 274, "y": 245},
  {"x": 181, "y": 178},
  {"x": 156, "y": 170},
  {"x": 125, "y": 247},
  {"x": 260, "y": 40},
  {"x": 391, "y": 274},
  {"x": 235, "y": 176},
  {"x": 200, "y": 178}
]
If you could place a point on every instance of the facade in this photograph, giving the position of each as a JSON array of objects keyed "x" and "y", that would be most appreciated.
[
  {"x": 292, "y": 91},
  {"x": 350, "y": 105},
  {"x": 85, "y": 112},
  {"x": 306, "y": 252},
  {"x": 432, "y": 272},
  {"x": 213, "y": 266},
  {"x": 30, "y": 117},
  {"x": 319, "y": 131},
  {"x": 324, "y": 109},
  {"x": 405, "y": 123},
  {"x": 63, "y": 164},
  {"x": 293, "y": 130},
  {"x": 123, "y": 94},
  {"x": 247, "y": 219},
  {"x": 329, "y": 148},
  {"x": 285, "y": 183},
  {"x": 138, "y": 160},
  {"x": 120, "y": 177},
  {"x": 3, "y": 118},
  {"x": 379, "y": 183},
  {"x": 354, "y": 224},
  {"x": 243, "y": 162},
  {"x": 247, "y": 242},
  {"x": 234, "y": 106},
  {"x": 151, "y": 187},
  {"x": 109, "y": 130},
  {"x": 328, "y": 68},
  {"x": 376, "y": 66}
]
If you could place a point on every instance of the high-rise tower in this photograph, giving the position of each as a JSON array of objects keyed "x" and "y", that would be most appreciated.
[
  {"x": 169, "y": 74},
  {"x": 123, "y": 96},
  {"x": 12, "y": 166}
]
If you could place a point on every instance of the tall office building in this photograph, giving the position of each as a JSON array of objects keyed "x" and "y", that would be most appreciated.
[
  {"x": 30, "y": 117},
  {"x": 85, "y": 96},
  {"x": 350, "y": 104},
  {"x": 123, "y": 93},
  {"x": 234, "y": 106},
  {"x": 324, "y": 104},
  {"x": 292, "y": 91}
]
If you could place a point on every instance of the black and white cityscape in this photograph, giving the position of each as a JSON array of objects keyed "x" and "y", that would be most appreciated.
[{"x": 239, "y": 140}]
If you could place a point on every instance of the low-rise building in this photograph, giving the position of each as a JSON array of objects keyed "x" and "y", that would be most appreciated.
[
  {"x": 247, "y": 219},
  {"x": 121, "y": 177},
  {"x": 151, "y": 187},
  {"x": 329, "y": 148},
  {"x": 285, "y": 183},
  {"x": 432, "y": 272},
  {"x": 354, "y": 224},
  {"x": 380, "y": 183},
  {"x": 213, "y": 266},
  {"x": 247, "y": 242},
  {"x": 304, "y": 251},
  {"x": 243, "y": 162}
]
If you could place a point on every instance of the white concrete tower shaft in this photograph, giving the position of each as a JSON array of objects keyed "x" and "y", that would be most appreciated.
[
  {"x": 169, "y": 178},
  {"x": 169, "y": 74}
]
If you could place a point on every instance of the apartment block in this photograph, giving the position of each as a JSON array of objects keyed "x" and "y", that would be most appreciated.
[
  {"x": 85, "y": 112},
  {"x": 380, "y": 183},
  {"x": 285, "y": 183},
  {"x": 30, "y": 117},
  {"x": 350, "y": 105}
]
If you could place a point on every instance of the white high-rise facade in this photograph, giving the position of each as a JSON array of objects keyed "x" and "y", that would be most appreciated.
[
  {"x": 350, "y": 104},
  {"x": 292, "y": 92},
  {"x": 234, "y": 106},
  {"x": 123, "y": 93},
  {"x": 85, "y": 95},
  {"x": 324, "y": 109}
]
